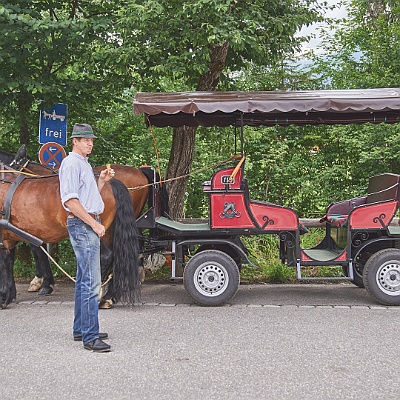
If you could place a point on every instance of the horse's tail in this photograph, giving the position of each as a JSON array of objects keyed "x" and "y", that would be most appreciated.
[{"x": 125, "y": 247}]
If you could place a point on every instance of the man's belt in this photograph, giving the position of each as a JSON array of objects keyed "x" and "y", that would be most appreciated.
[{"x": 95, "y": 216}]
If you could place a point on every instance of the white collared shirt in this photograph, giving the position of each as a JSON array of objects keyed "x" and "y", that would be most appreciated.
[{"x": 77, "y": 181}]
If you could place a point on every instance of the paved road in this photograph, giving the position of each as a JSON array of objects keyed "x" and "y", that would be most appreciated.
[
  {"x": 344, "y": 294},
  {"x": 271, "y": 342}
]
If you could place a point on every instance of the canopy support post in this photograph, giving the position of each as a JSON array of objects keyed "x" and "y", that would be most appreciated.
[{"x": 241, "y": 134}]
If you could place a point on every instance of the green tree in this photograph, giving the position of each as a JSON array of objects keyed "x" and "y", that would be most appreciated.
[
  {"x": 58, "y": 51},
  {"x": 364, "y": 52},
  {"x": 308, "y": 167},
  {"x": 194, "y": 43}
]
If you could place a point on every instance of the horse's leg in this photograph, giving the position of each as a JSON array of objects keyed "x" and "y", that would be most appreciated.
[
  {"x": 43, "y": 281},
  {"x": 106, "y": 265},
  {"x": 8, "y": 291},
  {"x": 35, "y": 284},
  {"x": 43, "y": 269},
  {"x": 107, "y": 301},
  {"x": 37, "y": 281}
]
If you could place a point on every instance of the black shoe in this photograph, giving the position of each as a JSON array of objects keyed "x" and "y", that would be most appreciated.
[
  {"x": 98, "y": 346},
  {"x": 102, "y": 336}
]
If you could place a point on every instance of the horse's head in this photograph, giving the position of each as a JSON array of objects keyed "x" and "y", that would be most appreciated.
[{"x": 20, "y": 157}]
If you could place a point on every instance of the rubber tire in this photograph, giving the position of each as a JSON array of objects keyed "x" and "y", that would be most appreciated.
[
  {"x": 382, "y": 276},
  {"x": 211, "y": 277},
  {"x": 358, "y": 276}
]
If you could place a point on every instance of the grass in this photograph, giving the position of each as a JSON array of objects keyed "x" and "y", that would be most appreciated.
[{"x": 264, "y": 252}]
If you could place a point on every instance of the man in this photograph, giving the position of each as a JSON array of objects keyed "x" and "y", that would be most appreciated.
[{"x": 80, "y": 196}]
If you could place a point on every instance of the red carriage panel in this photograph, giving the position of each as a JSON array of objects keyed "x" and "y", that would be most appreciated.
[
  {"x": 272, "y": 217},
  {"x": 373, "y": 216},
  {"x": 342, "y": 257},
  {"x": 228, "y": 210},
  {"x": 304, "y": 257}
]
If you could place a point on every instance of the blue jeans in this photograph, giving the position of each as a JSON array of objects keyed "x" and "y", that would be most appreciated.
[{"x": 86, "y": 245}]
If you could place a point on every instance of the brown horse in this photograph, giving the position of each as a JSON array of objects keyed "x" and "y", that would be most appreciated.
[
  {"x": 44, "y": 280},
  {"x": 130, "y": 176},
  {"x": 36, "y": 209}
]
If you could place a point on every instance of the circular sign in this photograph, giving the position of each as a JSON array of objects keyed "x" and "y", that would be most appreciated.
[{"x": 51, "y": 154}]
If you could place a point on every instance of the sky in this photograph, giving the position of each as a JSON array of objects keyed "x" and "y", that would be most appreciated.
[{"x": 338, "y": 12}]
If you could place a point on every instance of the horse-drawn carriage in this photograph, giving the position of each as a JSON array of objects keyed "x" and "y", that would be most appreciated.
[{"x": 359, "y": 235}]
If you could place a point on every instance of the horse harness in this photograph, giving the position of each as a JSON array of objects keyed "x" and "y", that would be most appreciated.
[{"x": 6, "y": 211}]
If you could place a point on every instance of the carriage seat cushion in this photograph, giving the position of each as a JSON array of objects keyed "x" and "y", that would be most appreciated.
[
  {"x": 383, "y": 187},
  {"x": 337, "y": 213},
  {"x": 344, "y": 207},
  {"x": 337, "y": 220}
]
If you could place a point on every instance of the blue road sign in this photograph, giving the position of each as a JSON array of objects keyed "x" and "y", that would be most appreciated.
[
  {"x": 51, "y": 154},
  {"x": 53, "y": 125}
]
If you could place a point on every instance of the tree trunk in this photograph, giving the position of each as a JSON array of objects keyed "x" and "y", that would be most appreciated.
[
  {"x": 24, "y": 107},
  {"x": 374, "y": 9},
  {"x": 209, "y": 80},
  {"x": 180, "y": 161},
  {"x": 183, "y": 141}
]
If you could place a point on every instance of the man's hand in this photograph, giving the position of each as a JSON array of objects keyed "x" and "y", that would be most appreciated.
[
  {"x": 99, "y": 229},
  {"x": 105, "y": 176},
  {"x": 77, "y": 209}
]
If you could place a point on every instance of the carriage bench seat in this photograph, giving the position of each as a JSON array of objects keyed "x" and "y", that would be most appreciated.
[
  {"x": 177, "y": 227},
  {"x": 382, "y": 187}
]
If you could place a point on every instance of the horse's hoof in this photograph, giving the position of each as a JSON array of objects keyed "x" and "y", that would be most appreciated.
[
  {"x": 45, "y": 291},
  {"x": 106, "y": 304},
  {"x": 35, "y": 285}
]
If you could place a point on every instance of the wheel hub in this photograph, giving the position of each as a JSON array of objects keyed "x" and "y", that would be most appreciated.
[
  {"x": 211, "y": 279},
  {"x": 388, "y": 278}
]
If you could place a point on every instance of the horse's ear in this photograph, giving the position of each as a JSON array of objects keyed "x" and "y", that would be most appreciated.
[{"x": 19, "y": 156}]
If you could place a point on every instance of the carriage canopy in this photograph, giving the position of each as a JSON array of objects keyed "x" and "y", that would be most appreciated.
[{"x": 354, "y": 106}]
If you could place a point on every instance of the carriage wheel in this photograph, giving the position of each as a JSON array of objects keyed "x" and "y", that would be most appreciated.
[
  {"x": 382, "y": 276},
  {"x": 211, "y": 277}
]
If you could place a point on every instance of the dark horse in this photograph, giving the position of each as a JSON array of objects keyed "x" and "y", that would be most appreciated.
[{"x": 44, "y": 218}]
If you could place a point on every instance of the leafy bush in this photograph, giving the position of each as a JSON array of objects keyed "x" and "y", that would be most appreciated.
[{"x": 62, "y": 252}]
